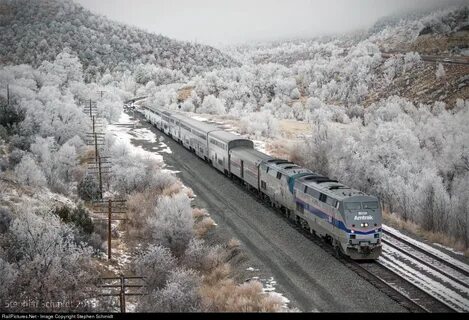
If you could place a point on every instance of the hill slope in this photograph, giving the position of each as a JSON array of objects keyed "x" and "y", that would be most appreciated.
[{"x": 35, "y": 30}]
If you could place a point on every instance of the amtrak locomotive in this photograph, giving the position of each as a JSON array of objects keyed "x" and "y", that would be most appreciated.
[{"x": 347, "y": 218}]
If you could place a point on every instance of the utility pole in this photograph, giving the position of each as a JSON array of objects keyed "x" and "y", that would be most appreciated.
[
  {"x": 121, "y": 288},
  {"x": 100, "y": 175},
  {"x": 8, "y": 94},
  {"x": 90, "y": 109},
  {"x": 100, "y": 168},
  {"x": 113, "y": 207}
]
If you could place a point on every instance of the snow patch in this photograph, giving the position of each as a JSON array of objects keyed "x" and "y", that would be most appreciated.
[{"x": 252, "y": 269}]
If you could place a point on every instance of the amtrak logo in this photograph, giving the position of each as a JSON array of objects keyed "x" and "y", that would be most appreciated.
[{"x": 359, "y": 218}]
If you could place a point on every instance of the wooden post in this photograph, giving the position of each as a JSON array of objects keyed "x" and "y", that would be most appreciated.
[
  {"x": 100, "y": 176},
  {"x": 109, "y": 220},
  {"x": 122, "y": 294},
  {"x": 90, "y": 109},
  {"x": 96, "y": 155}
]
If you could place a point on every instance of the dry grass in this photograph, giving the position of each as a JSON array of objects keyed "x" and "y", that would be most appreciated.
[
  {"x": 203, "y": 226},
  {"x": 173, "y": 189},
  {"x": 184, "y": 93},
  {"x": 221, "y": 294},
  {"x": 88, "y": 154},
  {"x": 434, "y": 237},
  {"x": 233, "y": 244},
  {"x": 198, "y": 213},
  {"x": 292, "y": 128},
  {"x": 279, "y": 148},
  {"x": 189, "y": 192}
]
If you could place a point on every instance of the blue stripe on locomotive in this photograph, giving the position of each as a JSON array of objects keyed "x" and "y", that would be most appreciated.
[{"x": 337, "y": 223}]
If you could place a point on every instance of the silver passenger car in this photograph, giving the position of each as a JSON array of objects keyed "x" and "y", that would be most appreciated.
[
  {"x": 244, "y": 164},
  {"x": 219, "y": 145}
]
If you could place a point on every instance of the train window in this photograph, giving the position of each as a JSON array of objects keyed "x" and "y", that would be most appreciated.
[
  {"x": 263, "y": 185},
  {"x": 322, "y": 197},
  {"x": 370, "y": 205},
  {"x": 353, "y": 205},
  {"x": 279, "y": 175},
  {"x": 306, "y": 189},
  {"x": 267, "y": 169}
]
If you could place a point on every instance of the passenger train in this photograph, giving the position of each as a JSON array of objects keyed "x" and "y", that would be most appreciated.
[{"x": 347, "y": 218}]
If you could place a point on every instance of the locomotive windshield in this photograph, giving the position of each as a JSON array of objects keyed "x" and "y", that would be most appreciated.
[
  {"x": 353, "y": 205},
  {"x": 370, "y": 205}
]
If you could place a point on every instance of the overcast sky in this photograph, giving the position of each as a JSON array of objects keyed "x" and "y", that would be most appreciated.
[{"x": 217, "y": 22}]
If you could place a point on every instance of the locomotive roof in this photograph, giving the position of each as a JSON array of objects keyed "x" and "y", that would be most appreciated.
[
  {"x": 329, "y": 187},
  {"x": 250, "y": 154}
]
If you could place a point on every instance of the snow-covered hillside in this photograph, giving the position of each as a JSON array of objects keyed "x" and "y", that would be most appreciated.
[{"x": 36, "y": 30}]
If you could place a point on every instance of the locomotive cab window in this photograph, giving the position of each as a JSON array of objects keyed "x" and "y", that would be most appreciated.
[
  {"x": 353, "y": 205},
  {"x": 370, "y": 205},
  {"x": 279, "y": 175}
]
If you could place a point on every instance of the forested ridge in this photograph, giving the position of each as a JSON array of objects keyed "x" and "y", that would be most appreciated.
[{"x": 32, "y": 31}]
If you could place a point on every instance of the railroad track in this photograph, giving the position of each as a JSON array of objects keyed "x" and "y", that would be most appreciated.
[{"x": 435, "y": 273}]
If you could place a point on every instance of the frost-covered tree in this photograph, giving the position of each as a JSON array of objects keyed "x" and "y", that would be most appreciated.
[
  {"x": 155, "y": 264},
  {"x": 29, "y": 173},
  {"x": 180, "y": 294},
  {"x": 212, "y": 105},
  {"x": 45, "y": 263},
  {"x": 172, "y": 223}
]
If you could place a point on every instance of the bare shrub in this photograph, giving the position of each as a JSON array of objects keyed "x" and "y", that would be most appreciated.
[{"x": 203, "y": 257}]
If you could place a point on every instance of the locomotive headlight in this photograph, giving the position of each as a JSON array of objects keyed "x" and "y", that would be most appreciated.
[{"x": 364, "y": 225}]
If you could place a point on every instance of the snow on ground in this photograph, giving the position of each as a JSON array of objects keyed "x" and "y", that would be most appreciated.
[
  {"x": 123, "y": 132},
  {"x": 432, "y": 282},
  {"x": 268, "y": 287},
  {"x": 166, "y": 148},
  {"x": 144, "y": 134},
  {"x": 427, "y": 248},
  {"x": 252, "y": 269},
  {"x": 260, "y": 146}
]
